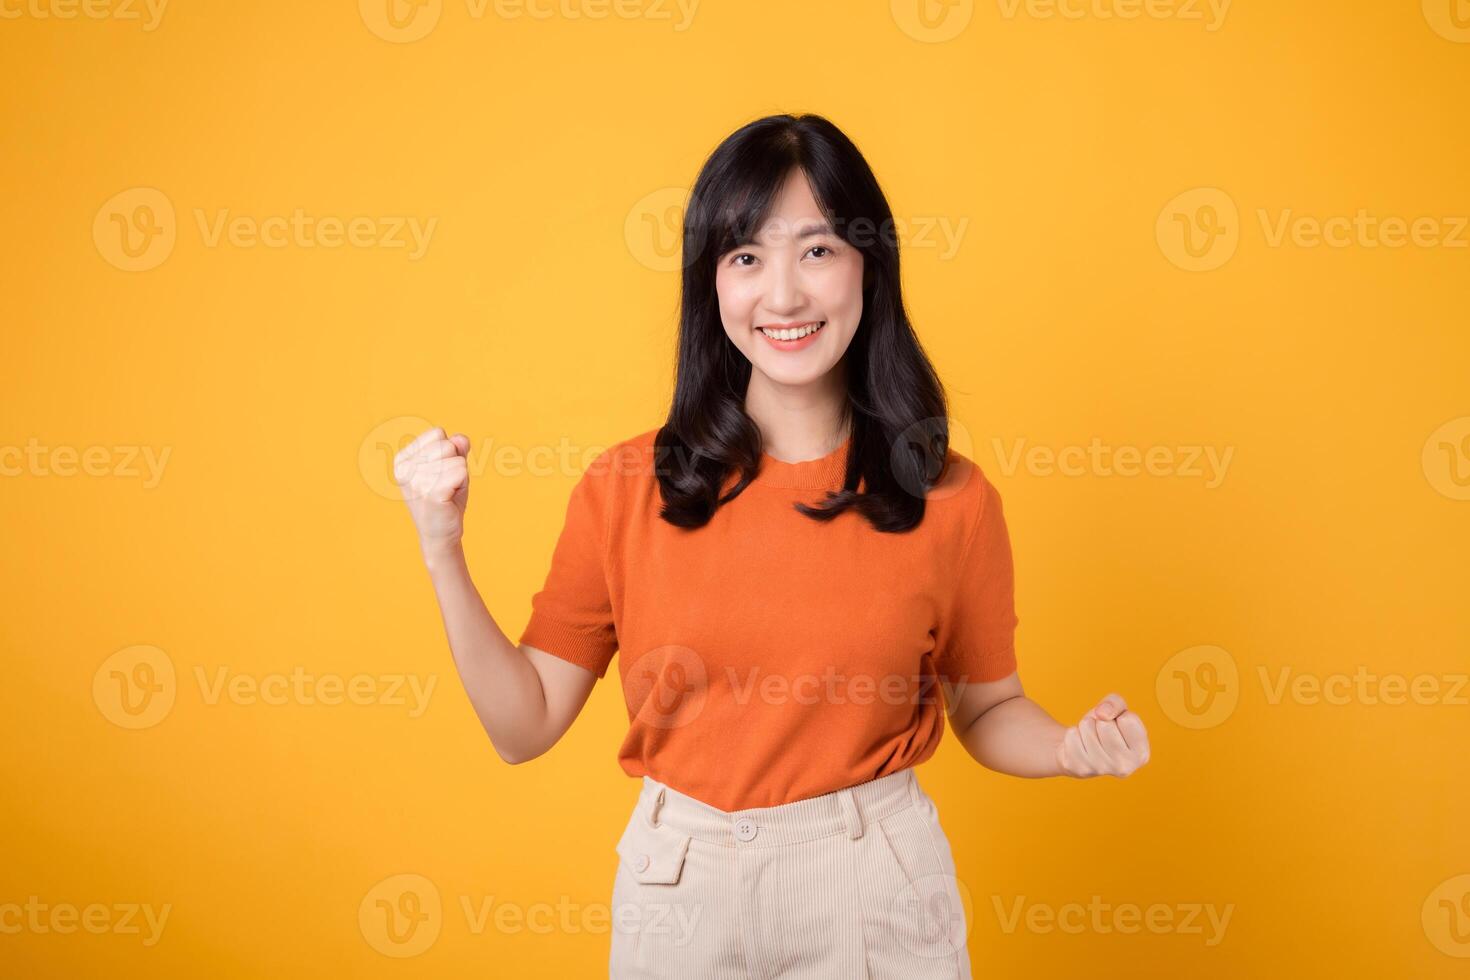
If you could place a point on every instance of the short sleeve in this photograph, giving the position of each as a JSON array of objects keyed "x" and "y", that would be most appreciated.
[
  {"x": 975, "y": 640},
  {"x": 571, "y": 617}
]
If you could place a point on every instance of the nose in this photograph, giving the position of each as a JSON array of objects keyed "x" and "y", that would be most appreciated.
[{"x": 786, "y": 296}]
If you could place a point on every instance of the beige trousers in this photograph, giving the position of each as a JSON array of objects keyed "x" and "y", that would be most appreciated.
[{"x": 858, "y": 884}]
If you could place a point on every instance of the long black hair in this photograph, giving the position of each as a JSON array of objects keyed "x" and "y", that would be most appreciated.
[{"x": 896, "y": 407}]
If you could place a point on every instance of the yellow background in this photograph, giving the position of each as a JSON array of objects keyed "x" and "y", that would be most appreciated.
[{"x": 1336, "y": 540}]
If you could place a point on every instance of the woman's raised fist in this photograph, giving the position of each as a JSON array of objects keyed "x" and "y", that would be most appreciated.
[{"x": 433, "y": 473}]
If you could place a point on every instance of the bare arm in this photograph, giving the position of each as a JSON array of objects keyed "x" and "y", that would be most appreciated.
[
  {"x": 1006, "y": 731},
  {"x": 525, "y": 698}
]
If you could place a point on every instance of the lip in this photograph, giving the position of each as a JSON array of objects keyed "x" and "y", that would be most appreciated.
[{"x": 791, "y": 345}]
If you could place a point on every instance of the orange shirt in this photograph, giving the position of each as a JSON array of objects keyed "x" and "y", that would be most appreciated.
[{"x": 767, "y": 657}]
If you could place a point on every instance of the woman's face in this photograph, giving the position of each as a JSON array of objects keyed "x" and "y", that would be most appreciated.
[{"x": 799, "y": 273}]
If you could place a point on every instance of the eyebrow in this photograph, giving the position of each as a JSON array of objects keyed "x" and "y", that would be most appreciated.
[
  {"x": 811, "y": 230},
  {"x": 808, "y": 230}
]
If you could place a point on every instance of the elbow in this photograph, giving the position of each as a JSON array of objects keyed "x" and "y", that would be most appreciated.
[
  {"x": 511, "y": 758},
  {"x": 514, "y": 757}
]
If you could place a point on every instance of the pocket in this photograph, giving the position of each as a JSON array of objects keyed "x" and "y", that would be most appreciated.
[
  {"x": 954, "y": 909},
  {"x": 929, "y": 813},
  {"x": 926, "y": 913},
  {"x": 652, "y": 854},
  {"x": 651, "y": 862},
  {"x": 906, "y": 841}
]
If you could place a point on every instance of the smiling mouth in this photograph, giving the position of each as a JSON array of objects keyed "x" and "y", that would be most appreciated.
[{"x": 795, "y": 333}]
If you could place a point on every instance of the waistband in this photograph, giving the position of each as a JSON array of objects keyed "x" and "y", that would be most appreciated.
[{"x": 845, "y": 811}]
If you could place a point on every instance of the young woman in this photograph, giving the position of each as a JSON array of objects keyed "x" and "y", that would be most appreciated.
[{"x": 794, "y": 567}]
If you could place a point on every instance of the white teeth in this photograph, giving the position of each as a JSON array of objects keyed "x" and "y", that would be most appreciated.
[{"x": 796, "y": 334}]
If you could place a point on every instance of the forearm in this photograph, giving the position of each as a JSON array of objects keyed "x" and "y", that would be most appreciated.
[
  {"x": 1017, "y": 737},
  {"x": 502, "y": 685}
]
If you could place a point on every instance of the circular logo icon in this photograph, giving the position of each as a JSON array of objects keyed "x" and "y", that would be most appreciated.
[
  {"x": 135, "y": 687},
  {"x": 654, "y": 229},
  {"x": 1198, "y": 687},
  {"x": 375, "y": 455},
  {"x": 937, "y": 910},
  {"x": 1446, "y": 916},
  {"x": 1199, "y": 229},
  {"x": 668, "y": 685},
  {"x": 1450, "y": 19},
  {"x": 1446, "y": 459},
  {"x": 400, "y": 21},
  {"x": 401, "y": 915},
  {"x": 136, "y": 229},
  {"x": 932, "y": 21},
  {"x": 913, "y": 457}
]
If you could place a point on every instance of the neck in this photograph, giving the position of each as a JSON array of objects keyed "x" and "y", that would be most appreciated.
[{"x": 799, "y": 422}]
